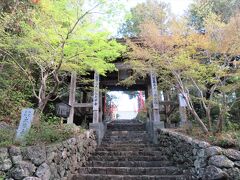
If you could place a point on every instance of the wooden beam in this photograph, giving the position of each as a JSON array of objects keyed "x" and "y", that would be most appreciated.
[
  {"x": 122, "y": 66},
  {"x": 80, "y": 105},
  {"x": 101, "y": 106},
  {"x": 168, "y": 103}
]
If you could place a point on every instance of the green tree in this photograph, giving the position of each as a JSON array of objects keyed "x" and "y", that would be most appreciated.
[
  {"x": 198, "y": 66},
  {"x": 59, "y": 37},
  {"x": 200, "y": 10},
  {"x": 15, "y": 91},
  {"x": 151, "y": 10}
]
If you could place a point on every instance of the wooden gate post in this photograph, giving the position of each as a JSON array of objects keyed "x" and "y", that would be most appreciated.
[
  {"x": 101, "y": 106},
  {"x": 72, "y": 96}
]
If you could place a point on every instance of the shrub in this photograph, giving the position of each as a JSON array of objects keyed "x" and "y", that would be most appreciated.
[
  {"x": 142, "y": 116},
  {"x": 7, "y": 136},
  {"x": 15, "y": 94},
  {"x": 50, "y": 132}
]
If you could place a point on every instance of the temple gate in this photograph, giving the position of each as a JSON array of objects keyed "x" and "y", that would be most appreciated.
[{"x": 111, "y": 82}]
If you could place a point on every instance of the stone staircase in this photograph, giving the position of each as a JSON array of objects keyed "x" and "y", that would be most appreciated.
[{"x": 126, "y": 154}]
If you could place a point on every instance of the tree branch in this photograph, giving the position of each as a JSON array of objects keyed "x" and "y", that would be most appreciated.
[{"x": 24, "y": 71}]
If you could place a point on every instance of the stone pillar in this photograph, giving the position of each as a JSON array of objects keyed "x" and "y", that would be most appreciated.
[
  {"x": 98, "y": 126},
  {"x": 72, "y": 95},
  {"x": 155, "y": 123},
  {"x": 96, "y": 98},
  {"x": 155, "y": 100}
]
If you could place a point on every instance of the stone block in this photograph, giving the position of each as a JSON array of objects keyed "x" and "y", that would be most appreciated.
[
  {"x": 212, "y": 172},
  {"x": 213, "y": 150},
  {"x": 5, "y": 164},
  {"x": 234, "y": 173},
  {"x": 232, "y": 154},
  {"x": 99, "y": 128},
  {"x": 16, "y": 159},
  {"x": 32, "y": 178},
  {"x": 14, "y": 151},
  {"x": 37, "y": 154},
  {"x": 22, "y": 170},
  {"x": 220, "y": 161},
  {"x": 43, "y": 172}
]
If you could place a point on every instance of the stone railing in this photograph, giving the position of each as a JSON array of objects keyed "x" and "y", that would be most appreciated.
[
  {"x": 201, "y": 159},
  {"x": 55, "y": 161}
]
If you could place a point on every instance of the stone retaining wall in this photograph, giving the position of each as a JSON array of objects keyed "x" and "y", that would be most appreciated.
[
  {"x": 56, "y": 161},
  {"x": 201, "y": 159}
]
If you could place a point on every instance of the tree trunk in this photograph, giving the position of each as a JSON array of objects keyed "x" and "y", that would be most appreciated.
[
  {"x": 1, "y": 67},
  {"x": 222, "y": 114},
  {"x": 208, "y": 114},
  {"x": 38, "y": 112},
  {"x": 167, "y": 108},
  {"x": 220, "y": 122},
  {"x": 199, "y": 120}
]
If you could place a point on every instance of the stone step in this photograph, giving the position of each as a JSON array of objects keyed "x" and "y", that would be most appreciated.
[
  {"x": 128, "y": 153},
  {"x": 129, "y": 163},
  {"x": 128, "y": 158},
  {"x": 129, "y": 123},
  {"x": 125, "y": 122},
  {"x": 126, "y": 141},
  {"x": 131, "y": 170},
  {"x": 118, "y": 133},
  {"x": 127, "y": 144},
  {"x": 122, "y": 121},
  {"x": 132, "y": 137},
  {"x": 135, "y": 149},
  {"x": 124, "y": 137},
  {"x": 135, "y": 144},
  {"x": 126, "y": 127},
  {"x": 139, "y": 135},
  {"x": 128, "y": 177}
]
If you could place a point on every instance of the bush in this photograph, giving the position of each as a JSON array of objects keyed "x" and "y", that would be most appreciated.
[
  {"x": 175, "y": 117},
  {"x": 7, "y": 137},
  {"x": 237, "y": 136},
  {"x": 15, "y": 94},
  {"x": 45, "y": 134},
  {"x": 142, "y": 116},
  {"x": 50, "y": 132},
  {"x": 2, "y": 176}
]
